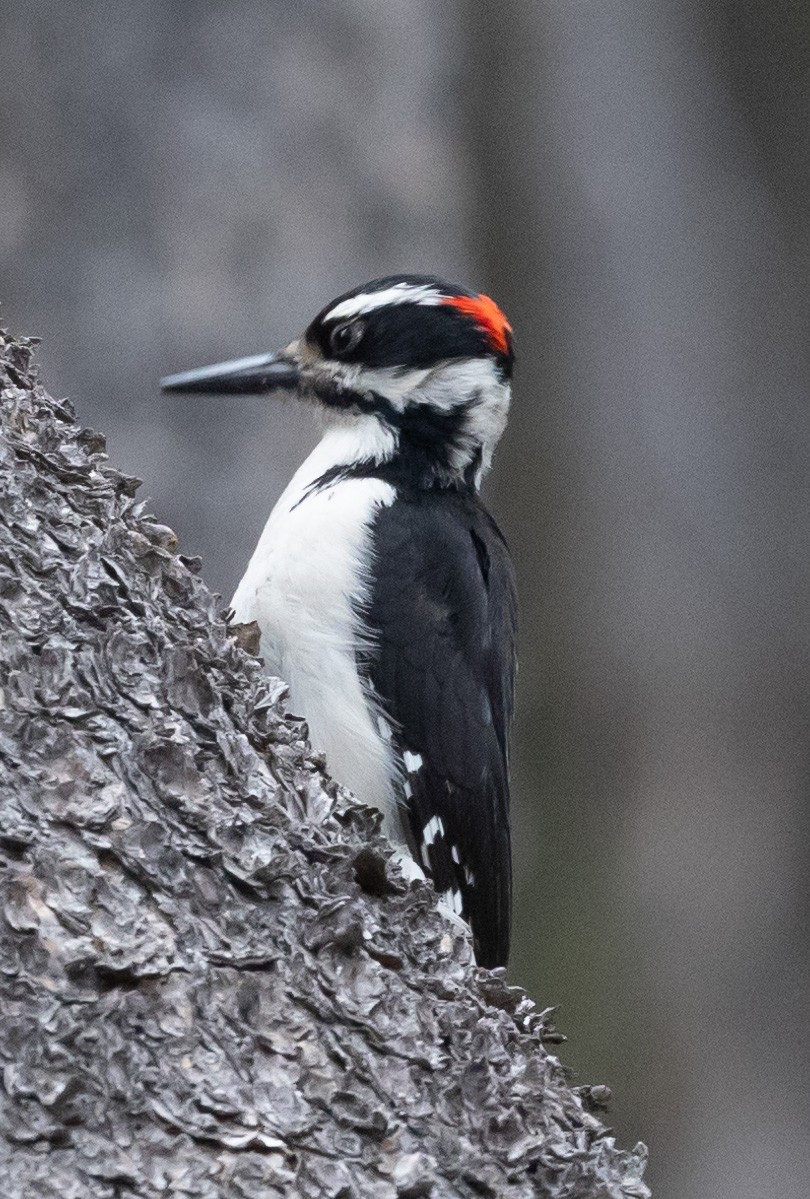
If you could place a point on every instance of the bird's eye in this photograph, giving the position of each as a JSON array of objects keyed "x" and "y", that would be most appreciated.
[{"x": 346, "y": 337}]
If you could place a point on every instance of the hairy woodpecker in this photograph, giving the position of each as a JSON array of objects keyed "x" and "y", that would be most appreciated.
[{"x": 383, "y": 589}]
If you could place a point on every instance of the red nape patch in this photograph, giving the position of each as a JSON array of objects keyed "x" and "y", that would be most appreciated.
[{"x": 487, "y": 316}]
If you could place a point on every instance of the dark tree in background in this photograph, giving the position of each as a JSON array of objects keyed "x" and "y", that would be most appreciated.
[
  {"x": 180, "y": 183},
  {"x": 659, "y": 155}
]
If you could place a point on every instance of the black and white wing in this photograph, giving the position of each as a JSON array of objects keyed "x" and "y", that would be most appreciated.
[{"x": 444, "y": 609}]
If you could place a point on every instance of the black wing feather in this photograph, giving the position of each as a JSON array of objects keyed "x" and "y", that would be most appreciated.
[{"x": 443, "y": 613}]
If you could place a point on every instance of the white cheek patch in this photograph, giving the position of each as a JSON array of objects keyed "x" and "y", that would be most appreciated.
[
  {"x": 400, "y": 293},
  {"x": 396, "y": 383}
]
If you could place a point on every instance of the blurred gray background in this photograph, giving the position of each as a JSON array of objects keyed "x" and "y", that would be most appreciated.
[{"x": 630, "y": 179}]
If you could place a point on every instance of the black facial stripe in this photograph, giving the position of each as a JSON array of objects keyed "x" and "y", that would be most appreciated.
[
  {"x": 401, "y": 471},
  {"x": 412, "y": 336},
  {"x": 335, "y": 395},
  {"x": 421, "y": 427},
  {"x": 427, "y": 439}
]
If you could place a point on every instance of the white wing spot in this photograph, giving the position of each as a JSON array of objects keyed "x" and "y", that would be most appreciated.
[
  {"x": 407, "y": 789},
  {"x": 454, "y": 856},
  {"x": 385, "y": 729},
  {"x": 469, "y": 877},
  {"x": 413, "y": 762},
  {"x": 452, "y": 898},
  {"x": 433, "y": 829}
]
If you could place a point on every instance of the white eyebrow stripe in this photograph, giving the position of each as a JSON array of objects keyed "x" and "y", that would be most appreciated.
[{"x": 400, "y": 293}]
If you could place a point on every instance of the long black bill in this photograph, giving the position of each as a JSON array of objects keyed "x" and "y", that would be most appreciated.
[{"x": 242, "y": 376}]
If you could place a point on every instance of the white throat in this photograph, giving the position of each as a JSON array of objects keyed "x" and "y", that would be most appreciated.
[{"x": 348, "y": 438}]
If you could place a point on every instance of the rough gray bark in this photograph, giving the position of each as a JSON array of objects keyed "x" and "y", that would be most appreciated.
[{"x": 212, "y": 983}]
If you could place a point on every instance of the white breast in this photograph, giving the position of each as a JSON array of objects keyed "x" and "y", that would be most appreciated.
[{"x": 305, "y": 586}]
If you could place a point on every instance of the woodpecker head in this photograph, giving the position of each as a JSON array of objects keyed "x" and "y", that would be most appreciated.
[{"x": 420, "y": 368}]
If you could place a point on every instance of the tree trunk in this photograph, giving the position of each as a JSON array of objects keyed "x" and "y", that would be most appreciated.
[{"x": 212, "y": 981}]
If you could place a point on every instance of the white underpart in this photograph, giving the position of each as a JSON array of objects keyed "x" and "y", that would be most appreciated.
[
  {"x": 303, "y": 586},
  {"x": 451, "y": 898},
  {"x": 408, "y": 865},
  {"x": 400, "y": 293}
]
